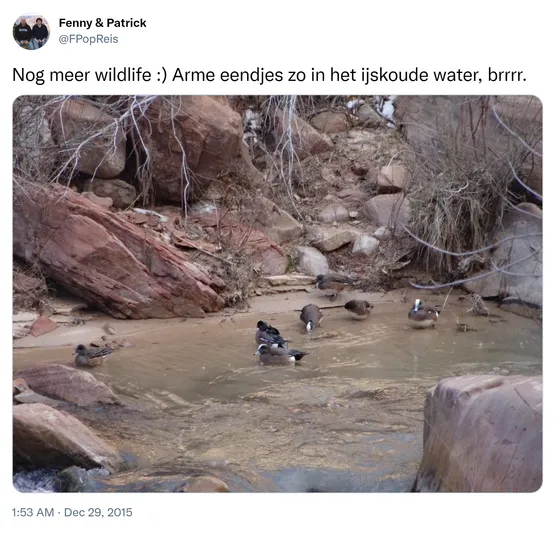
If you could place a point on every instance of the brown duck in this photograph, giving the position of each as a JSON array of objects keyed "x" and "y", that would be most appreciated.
[
  {"x": 333, "y": 282},
  {"x": 91, "y": 356},
  {"x": 359, "y": 309},
  {"x": 421, "y": 317},
  {"x": 311, "y": 316}
]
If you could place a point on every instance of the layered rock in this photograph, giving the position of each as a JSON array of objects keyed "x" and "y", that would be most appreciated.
[
  {"x": 67, "y": 384},
  {"x": 269, "y": 259},
  {"x": 110, "y": 263},
  {"x": 46, "y": 438},
  {"x": 482, "y": 434}
]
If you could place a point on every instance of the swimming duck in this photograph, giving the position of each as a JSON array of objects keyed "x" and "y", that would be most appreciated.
[
  {"x": 334, "y": 282},
  {"x": 269, "y": 335},
  {"x": 264, "y": 326},
  {"x": 311, "y": 316},
  {"x": 359, "y": 309},
  {"x": 90, "y": 356},
  {"x": 421, "y": 316},
  {"x": 270, "y": 355}
]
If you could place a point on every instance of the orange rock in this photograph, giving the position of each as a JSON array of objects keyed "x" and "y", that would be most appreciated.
[{"x": 42, "y": 325}]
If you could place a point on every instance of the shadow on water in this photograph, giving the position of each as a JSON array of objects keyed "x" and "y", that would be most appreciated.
[{"x": 349, "y": 418}]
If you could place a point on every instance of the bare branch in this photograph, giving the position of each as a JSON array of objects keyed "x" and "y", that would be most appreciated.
[
  {"x": 478, "y": 276},
  {"x": 472, "y": 252},
  {"x": 524, "y": 143},
  {"x": 523, "y": 185}
]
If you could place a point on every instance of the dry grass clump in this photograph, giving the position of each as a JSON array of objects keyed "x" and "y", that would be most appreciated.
[
  {"x": 455, "y": 208},
  {"x": 466, "y": 181},
  {"x": 29, "y": 287},
  {"x": 240, "y": 278}
]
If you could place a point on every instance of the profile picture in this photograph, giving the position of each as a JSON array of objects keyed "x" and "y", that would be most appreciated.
[{"x": 31, "y": 31}]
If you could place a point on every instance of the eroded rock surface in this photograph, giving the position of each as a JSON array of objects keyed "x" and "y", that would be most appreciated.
[
  {"x": 44, "y": 437},
  {"x": 521, "y": 257},
  {"x": 482, "y": 434},
  {"x": 201, "y": 131},
  {"x": 102, "y": 154},
  {"x": 67, "y": 384},
  {"x": 109, "y": 262}
]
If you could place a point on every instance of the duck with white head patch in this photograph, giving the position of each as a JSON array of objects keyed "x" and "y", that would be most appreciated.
[
  {"x": 311, "y": 316},
  {"x": 421, "y": 316}
]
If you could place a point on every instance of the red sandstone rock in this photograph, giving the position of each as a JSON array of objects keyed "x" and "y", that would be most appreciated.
[
  {"x": 482, "y": 434},
  {"x": 271, "y": 258},
  {"x": 45, "y": 437},
  {"x": 209, "y": 131},
  {"x": 106, "y": 260},
  {"x": 67, "y": 384},
  {"x": 42, "y": 325}
]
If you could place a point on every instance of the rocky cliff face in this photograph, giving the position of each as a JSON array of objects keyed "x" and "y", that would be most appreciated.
[{"x": 106, "y": 260}]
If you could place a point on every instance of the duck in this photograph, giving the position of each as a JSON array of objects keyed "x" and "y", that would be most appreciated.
[
  {"x": 91, "y": 356},
  {"x": 311, "y": 315},
  {"x": 359, "y": 309},
  {"x": 271, "y": 355},
  {"x": 421, "y": 316},
  {"x": 266, "y": 334},
  {"x": 334, "y": 282},
  {"x": 264, "y": 326}
]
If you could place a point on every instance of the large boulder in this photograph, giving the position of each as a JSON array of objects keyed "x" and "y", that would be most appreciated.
[
  {"x": 428, "y": 120},
  {"x": 109, "y": 262},
  {"x": 520, "y": 257},
  {"x": 44, "y": 437},
  {"x": 482, "y": 434},
  {"x": 67, "y": 384},
  {"x": 96, "y": 138},
  {"x": 201, "y": 132}
]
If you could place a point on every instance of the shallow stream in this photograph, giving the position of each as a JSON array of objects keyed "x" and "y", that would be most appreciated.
[{"x": 349, "y": 417}]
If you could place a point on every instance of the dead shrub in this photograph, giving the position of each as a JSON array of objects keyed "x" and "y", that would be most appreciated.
[{"x": 461, "y": 189}]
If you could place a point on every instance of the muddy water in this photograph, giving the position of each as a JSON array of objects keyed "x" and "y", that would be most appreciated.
[{"x": 348, "y": 418}]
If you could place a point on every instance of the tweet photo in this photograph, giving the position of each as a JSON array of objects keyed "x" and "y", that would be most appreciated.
[{"x": 273, "y": 251}]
